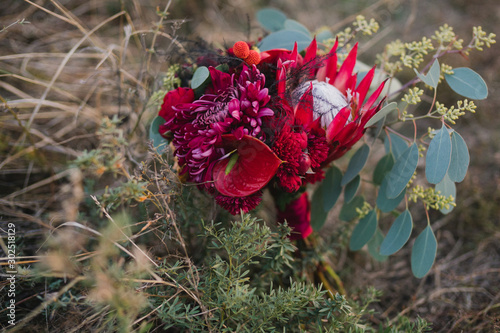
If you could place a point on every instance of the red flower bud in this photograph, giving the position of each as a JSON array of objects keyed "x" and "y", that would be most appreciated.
[{"x": 304, "y": 163}]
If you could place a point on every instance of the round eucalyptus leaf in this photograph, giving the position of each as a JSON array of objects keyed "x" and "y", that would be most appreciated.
[
  {"x": 464, "y": 81},
  {"x": 285, "y": 39},
  {"x": 437, "y": 160},
  {"x": 383, "y": 166},
  {"x": 459, "y": 158},
  {"x": 398, "y": 234},
  {"x": 364, "y": 231},
  {"x": 385, "y": 204},
  {"x": 374, "y": 246},
  {"x": 395, "y": 144},
  {"x": 331, "y": 188},
  {"x": 294, "y": 25},
  {"x": 356, "y": 163},
  {"x": 447, "y": 187},
  {"x": 154, "y": 134},
  {"x": 318, "y": 213},
  {"x": 271, "y": 19},
  {"x": 200, "y": 77},
  {"x": 351, "y": 188},
  {"x": 423, "y": 252},
  {"x": 348, "y": 211},
  {"x": 402, "y": 171}
]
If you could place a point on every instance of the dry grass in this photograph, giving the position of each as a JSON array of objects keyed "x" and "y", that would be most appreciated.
[{"x": 75, "y": 63}]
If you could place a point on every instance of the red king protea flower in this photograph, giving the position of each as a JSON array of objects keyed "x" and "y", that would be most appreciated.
[{"x": 337, "y": 101}]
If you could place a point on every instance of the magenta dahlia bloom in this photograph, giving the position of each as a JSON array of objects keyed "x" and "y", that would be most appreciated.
[{"x": 232, "y": 104}]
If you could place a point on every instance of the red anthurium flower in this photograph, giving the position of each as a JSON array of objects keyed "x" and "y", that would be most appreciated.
[{"x": 254, "y": 167}]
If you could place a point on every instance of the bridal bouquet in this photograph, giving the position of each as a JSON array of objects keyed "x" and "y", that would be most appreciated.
[{"x": 277, "y": 113}]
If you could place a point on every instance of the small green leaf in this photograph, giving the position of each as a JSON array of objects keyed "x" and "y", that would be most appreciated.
[
  {"x": 395, "y": 144},
  {"x": 271, "y": 19},
  {"x": 200, "y": 77},
  {"x": 383, "y": 167},
  {"x": 382, "y": 113},
  {"x": 398, "y": 234},
  {"x": 318, "y": 214},
  {"x": 437, "y": 160},
  {"x": 385, "y": 204},
  {"x": 459, "y": 158},
  {"x": 364, "y": 231},
  {"x": 331, "y": 188},
  {"x": 402, "y": 171},
  {"x": 231, "y": 163},
  {"x": 351, "y": 188},
  {"x": 348, "y": 210},
  {"x": 374, "y": 246},
  {"x": 294, "y": 25},
  {"x": 447, "y": 187},
  {"x": 432, "y": 77},
  {"x": 356, "y": 163},
  {"x": 154, "y": 134},
  {"x": 285, "y": 39},
  {"x": 464, "y": 81},
  {"x": 423, "y": 253}
]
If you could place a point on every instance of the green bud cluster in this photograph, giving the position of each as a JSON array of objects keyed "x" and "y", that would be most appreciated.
[
  {"x": 366, "y": 27},
  {"x": 447, "y": 39},
  {"x": 413, "y": 96},
  {"x": 431, "y": 197},
  {"x": 363, "y": 211},
  {"x": 481, "y": 38},
  {"x": 453, "y": 113}
]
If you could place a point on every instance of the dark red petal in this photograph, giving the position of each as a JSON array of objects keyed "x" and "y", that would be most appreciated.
[
  {"x": 337, "y": 124},
  {"x": 345, "y": 71},
  {"x": 255, "y": 167},
  {"x": 373, "y": 97},
  {"x": 310, "y": 58},
  {"x": 364, "y": 85},
  {"x": 331, "y": 63},
  {"x": 304, "y": 109},
  {"x": 294, "y": 56},
  {"x": 281, "y": 79}
]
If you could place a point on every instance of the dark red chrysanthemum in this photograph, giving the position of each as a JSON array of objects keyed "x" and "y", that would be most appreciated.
[
  {"x": 235, "y": 204},
  {"x": 289, "y": 148}
]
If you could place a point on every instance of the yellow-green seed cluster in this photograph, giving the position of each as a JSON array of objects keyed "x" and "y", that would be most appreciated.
[
  {"x": 413, "y": 96},
  {"x": 432, "y": 198},
  {"x": 453, "y": 113},
  {"x": 364, "y": 210}
]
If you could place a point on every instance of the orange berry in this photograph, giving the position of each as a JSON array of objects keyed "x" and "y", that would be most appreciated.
[
  {"x": 241, "y": 49},
  {"x": 253, "y": 58}
]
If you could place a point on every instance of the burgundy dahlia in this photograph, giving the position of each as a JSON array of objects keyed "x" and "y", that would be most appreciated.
[{"x": 232, "y": 104}]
